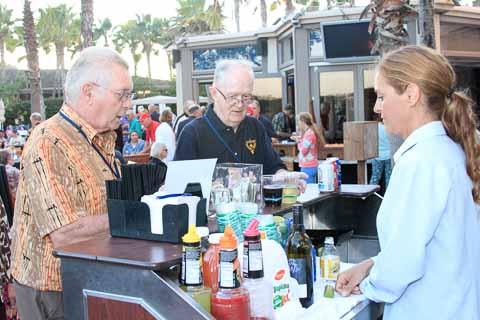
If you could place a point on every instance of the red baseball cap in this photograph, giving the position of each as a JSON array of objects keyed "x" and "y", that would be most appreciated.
[{"x": 143, "y": 117}]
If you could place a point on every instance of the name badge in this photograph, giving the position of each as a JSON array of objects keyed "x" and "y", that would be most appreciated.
[{"x": 251, "y": 145}]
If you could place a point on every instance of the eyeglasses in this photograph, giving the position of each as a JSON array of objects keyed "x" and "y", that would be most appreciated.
[
  {"x": 123, "y": 95},
  {"x": 244, "y": 99}
]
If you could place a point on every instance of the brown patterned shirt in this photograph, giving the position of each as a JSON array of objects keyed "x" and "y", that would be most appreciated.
[{"x": 62, "y": 179}]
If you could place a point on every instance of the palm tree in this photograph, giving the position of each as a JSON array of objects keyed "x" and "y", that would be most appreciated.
[
  {"x": 214, "y": 17},
  {"x": 289, "y": 7},
  {"x": 192, "y": 19},
  {"x": 129, "y": 36},
  {"x": 102, "y": 29},
  {"x": 6, "y": 30},
  {"x": 236, "y": 4},
  {"x": 387, "y": 23},
  {"x": 87, "y": 23},
  {"x": 31, "y": 46},
  {"x": 56, "y": 27},
  {"x": 427, "y": 28},
  {"x": 263, "y": 12},
  {"x": 151, "y": 31}
]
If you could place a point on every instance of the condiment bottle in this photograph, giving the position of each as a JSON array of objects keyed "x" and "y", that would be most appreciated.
[
  {"x": 211, "y": 262},
  {"x": 259, "y": 289},
  {"x": 191, "y": 271},
  {"x": 231, "y": 301}
]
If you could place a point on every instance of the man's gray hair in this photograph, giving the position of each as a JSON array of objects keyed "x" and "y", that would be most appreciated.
[
  {"x": 36, "y": 116},
  {"x": 225, "y": 66},
  {"x": 92, "y": 65},
  {"x": 156, "y": 149},
  {"x": 152, "y": 107}
]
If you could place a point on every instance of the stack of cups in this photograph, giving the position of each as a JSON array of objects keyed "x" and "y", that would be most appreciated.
[
  {"x": 228, "y": 214},
  {"x": 267, "y": 224},
  {"x": 248, "y": 211}
]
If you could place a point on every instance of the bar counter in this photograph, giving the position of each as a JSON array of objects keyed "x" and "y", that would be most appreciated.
[{"x": 119, "y": 278}]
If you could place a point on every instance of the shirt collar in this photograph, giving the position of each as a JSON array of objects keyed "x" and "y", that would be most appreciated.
[
  {"x": 217, "y": 123},
  {"x": 431, "y": 129},
  {"x": 84, "y": 125}
]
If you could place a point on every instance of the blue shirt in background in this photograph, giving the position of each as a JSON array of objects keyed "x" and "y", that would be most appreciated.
[
  {"x": 135, "y": 126},
  {"x": 128, "y": 148},
  {"x": 383, "y": 143},
  {"x": 429, "y": 233}
]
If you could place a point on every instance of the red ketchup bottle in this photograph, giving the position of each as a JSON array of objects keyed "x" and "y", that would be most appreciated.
[{"x": 231, "y": 301}]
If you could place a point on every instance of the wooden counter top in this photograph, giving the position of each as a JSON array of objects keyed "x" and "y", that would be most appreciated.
[{"x": 146, "y": 254}]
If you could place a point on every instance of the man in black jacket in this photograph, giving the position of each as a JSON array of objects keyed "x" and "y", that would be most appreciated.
[{"x": 225, "y": 132}]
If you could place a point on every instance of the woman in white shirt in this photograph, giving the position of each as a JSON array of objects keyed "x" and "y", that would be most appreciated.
[
  {"x": 165, "y": 133},
  {"x": 428, "y": 228}
]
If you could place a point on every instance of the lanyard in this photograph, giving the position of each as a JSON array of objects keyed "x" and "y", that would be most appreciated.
[
  {"x": 219, "y": 137},
  {"x": 80, "y": 130}
]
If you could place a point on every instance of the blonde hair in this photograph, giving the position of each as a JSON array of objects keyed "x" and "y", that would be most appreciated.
[
  {"x": 308, "y": 120},
  {"x": 435, "y": 77}
]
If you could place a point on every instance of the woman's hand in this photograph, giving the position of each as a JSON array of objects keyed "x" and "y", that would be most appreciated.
[{"x": 348, "y": 282}]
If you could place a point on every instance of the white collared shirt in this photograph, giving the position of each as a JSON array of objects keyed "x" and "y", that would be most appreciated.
[{"x": 429, "y": 233}]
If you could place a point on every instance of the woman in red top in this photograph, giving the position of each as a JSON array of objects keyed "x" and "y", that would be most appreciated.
[{"x": 310, "y": 140}]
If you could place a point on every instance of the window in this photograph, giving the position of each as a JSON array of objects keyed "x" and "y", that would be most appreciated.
[
  {"x": 315, "y": 43},
  {"x": 336, "y": 103},
  {"x": 206, "y": 59}
]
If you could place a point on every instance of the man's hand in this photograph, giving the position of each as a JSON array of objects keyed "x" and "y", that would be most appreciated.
[
  {"x": 348, "y": 282},
  {"x": 297, "y": 178},
  {"x": 84, "y": 228}
]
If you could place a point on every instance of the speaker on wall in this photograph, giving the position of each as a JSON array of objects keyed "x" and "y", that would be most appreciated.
[
  {"x": 176, "y": 56},
  {"x": 262, "y": 47}
]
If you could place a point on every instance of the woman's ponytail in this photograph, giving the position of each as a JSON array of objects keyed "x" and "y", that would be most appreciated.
[{"x": 460, "y": 123}]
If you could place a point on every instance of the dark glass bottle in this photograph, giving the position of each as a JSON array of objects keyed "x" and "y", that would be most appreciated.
[{"x": 299, "y": 255}]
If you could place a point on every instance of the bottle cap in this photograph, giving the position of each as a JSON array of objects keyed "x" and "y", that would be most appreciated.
[
  {"x": 263, "y": 235},
  {"x": 329, "y": 240},
  {"x": 214, "y": 238},
  {"x": 202, "y": 231},
  {"x": 191, "y": 236},
  {"x": 251, "y": 230},
  {"x": 228, "y": 241}
]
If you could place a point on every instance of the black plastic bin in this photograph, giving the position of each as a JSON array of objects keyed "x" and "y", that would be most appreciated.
[{"x": 131, "y": 219}]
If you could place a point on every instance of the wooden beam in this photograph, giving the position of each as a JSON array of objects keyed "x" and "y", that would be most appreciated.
[{"x": 463, "y": 54}]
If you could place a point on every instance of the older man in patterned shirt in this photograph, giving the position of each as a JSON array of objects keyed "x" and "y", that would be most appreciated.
[{"x": 61, "y": 197}]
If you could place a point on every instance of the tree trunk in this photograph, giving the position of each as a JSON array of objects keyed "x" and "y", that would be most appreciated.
[
  {"x": 427, "y": 27},
  {"x": 2, "y": 52},
  {"x": 263, "y": 12},
  {"x": 60, "y": 52},
  {"x": 87, "y": 23},
  {"x": 105, "y": 39},
  {"x": 170, "y": 65},
  {"x": 149, "y": 66},
  {"x": 237, "y": 14},
  {"x": 289, "y": 8},
  {"x": 31, "y": 47}
]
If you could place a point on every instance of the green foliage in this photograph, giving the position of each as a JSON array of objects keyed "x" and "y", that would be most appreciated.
[
  {"x": 6, "y": 30},
  {"x": 56, "y": 26},
  {"x": 102, "y": 29},
  {"x": 192, "y": 19},
  {"x": 128, "y": 35}
]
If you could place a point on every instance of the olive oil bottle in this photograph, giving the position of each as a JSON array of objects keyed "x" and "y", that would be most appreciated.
[{"x": 299, "y": 255}]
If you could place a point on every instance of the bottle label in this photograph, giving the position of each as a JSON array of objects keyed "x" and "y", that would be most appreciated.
[
  {"x": 252, "y": 257},
  {"x": 229, "y": 276},
  {"x": 330, "y": 266},
  {"x": 298, "y": 271},
  {"x": 192, "y": 266}
]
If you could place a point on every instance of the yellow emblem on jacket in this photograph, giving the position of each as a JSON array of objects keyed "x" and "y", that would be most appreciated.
[{"x": 251, "y": 145}]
